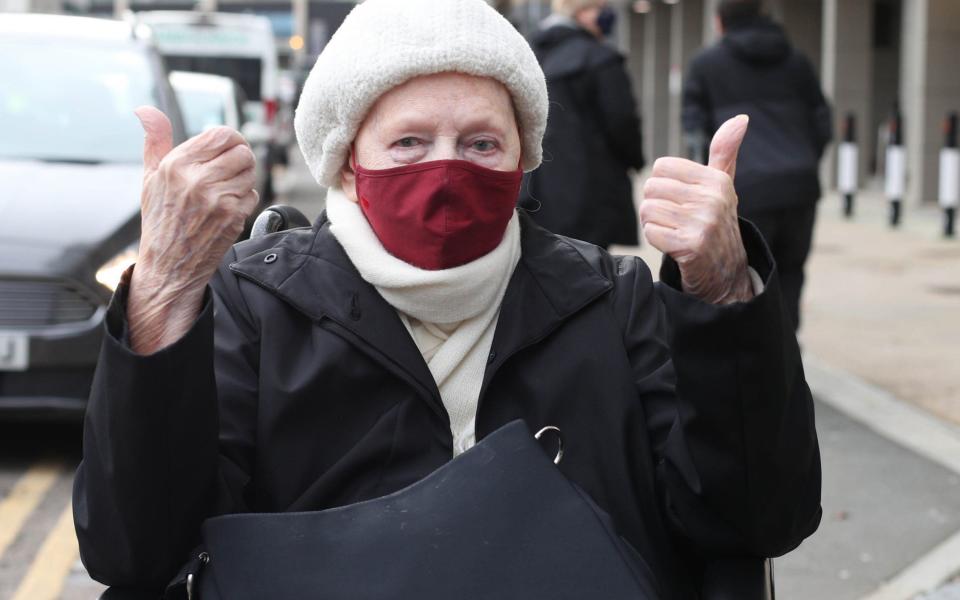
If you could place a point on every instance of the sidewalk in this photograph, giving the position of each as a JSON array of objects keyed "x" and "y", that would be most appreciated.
[
  {"x": 884, "y": 305},
  {"x": 881, "y": 337}
]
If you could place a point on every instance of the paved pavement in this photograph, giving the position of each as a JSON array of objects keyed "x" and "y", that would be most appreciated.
[
  {"x": 885, "y": 305},
  {"x": 882, "y": 313}
]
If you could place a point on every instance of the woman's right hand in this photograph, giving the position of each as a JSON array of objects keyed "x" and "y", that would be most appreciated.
[{"x": 195, "y": 200}]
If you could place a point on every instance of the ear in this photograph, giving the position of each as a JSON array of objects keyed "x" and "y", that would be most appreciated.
[{"x": 348, "y": 179}]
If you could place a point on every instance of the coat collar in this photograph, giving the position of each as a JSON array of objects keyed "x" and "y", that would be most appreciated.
[{"x": 310, "y": 270}]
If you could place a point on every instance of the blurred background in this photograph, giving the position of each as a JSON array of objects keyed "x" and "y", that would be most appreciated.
[{"x": 881, "y": 307}]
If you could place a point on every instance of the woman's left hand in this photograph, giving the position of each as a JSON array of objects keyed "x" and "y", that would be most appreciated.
[{"x": 689, "y": 212}]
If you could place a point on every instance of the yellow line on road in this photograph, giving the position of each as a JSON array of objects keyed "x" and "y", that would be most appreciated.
[
  {"x": 27, "y": 492},
  {"x": 51, "y": 566}
]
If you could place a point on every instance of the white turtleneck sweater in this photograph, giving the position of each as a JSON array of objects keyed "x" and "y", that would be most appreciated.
[{"x": 451, "y": 314}]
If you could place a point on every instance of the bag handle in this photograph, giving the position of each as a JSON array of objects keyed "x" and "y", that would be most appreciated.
[{"x": 556, "y": 430}]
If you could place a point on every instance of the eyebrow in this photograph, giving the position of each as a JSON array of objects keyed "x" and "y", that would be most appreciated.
[{"x": 484, "y": 121}]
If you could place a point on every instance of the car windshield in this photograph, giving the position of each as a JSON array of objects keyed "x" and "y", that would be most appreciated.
[
  {"x": 201, "y": 109},
  {"x": 72, "y": 102}
]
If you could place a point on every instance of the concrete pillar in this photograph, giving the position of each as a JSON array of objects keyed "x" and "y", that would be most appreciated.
[
  {"x": 635, "y": 58},
  {"x": 710, "y": 33},
  {"x": 803, "y": 21},
  {"x": 686, "y": 39},
  {"x": 656, "y": 77},
  {"x": 846, "y": 72},
  {"x": 301, "y": 26},
  {"x": 929, "y": 87}
]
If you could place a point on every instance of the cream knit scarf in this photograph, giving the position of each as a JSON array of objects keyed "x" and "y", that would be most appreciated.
[{"x": 451, "y": 313}]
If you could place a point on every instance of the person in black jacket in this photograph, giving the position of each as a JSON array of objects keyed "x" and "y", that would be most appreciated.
[
  {"x": 753, "y": 69},
  {"x": 325, "y": 366},
  {"x": 583, "y": 188}
]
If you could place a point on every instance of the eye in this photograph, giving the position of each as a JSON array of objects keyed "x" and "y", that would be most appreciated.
[
  {"x": 407, "y": 142},
  {"x": 484, "y": 145}
]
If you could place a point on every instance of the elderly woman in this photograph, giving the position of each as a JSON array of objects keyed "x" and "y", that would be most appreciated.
[{"x": 321, "y": 367}]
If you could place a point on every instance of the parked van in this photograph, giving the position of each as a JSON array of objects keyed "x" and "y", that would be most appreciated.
[{"x": 238, "y": 46}]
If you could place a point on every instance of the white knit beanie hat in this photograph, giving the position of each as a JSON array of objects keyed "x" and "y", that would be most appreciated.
[{"x": 384, "y": 43}]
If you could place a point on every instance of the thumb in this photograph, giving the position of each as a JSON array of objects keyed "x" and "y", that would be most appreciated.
[
  {"x": 726, "y": 144},
  {"x": 157, "y": 138}
]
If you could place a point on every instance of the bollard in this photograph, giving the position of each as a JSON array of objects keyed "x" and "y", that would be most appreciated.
[
  {"x": 848, "y": 164},
  {"x": 896, "y": 176},
  {"x": 949, "y": 175}
]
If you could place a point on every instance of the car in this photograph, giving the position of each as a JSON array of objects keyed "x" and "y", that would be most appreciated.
[
  {"x": 239, "y": 46},
  {"x": 212, "y": 100},
  {"x": 70, "y": 181}
]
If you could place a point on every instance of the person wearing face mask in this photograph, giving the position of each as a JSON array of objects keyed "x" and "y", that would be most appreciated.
[
  {"x": 593, "y": 140},
  {"x": 326, "y": 366}
]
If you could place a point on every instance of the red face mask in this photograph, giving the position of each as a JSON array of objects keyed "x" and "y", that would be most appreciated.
[{"x": 439, "y": 214}]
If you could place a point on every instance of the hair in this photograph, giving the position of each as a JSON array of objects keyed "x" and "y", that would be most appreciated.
[
  {"x": 738, "y": 12},
  {"x": 569, "y": 8}
]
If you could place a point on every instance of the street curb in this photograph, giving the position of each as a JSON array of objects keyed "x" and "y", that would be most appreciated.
[
  {"x": 878, "y": 409},
  {"x": 912, "y": 428}
]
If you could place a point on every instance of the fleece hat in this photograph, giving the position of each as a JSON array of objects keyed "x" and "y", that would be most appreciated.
[{"x": 384, "y": 43}]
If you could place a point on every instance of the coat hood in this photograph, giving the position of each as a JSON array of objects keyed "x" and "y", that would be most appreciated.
[
  {"x": 553, "y": 31},
  {"x": 759, "y": 42},
  {"x": 564, "y": 49}
]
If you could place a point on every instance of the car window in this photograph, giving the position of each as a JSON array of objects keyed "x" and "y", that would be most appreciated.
[
  {"x": 64, "y": 101},
  {"x": 201, "y": 109}
]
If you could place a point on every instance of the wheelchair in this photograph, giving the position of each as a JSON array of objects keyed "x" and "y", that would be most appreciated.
[{"x": 723, "y": 579}]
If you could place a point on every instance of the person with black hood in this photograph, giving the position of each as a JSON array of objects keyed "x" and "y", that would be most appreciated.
[
  {"x": 583, "y": 188},
  {"x": 753, "y": 69}
]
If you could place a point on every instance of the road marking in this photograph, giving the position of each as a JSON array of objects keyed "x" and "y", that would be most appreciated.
[
  {"x": 925, "y": 575},
  {"x": 912, "y": 428},
  {"x": 51, "y": 566},
  {"x": 23, "y": 498}
]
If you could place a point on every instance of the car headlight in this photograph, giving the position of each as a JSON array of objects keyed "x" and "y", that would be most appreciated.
[{"x": 109, "y": 274}]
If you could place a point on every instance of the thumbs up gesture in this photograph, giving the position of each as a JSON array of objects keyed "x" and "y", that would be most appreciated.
[
  {"x": 689, "y": 212},
  {"x": 195, "y": 200}
]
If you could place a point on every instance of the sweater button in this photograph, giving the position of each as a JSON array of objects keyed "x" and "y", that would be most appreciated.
[{"x": 491, "y": 357}]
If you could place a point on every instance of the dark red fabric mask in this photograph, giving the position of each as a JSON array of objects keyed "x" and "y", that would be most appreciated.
[{"x": 439, "y": 214}]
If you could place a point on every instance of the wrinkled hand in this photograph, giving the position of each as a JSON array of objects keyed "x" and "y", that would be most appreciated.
[
  {"x": 689, "y": 212},
  {"x": 195, "y": 200}
]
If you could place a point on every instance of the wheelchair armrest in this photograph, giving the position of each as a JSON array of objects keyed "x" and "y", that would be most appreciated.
[
  {"x": 738, "y": 579},
  {"x": 278, "y": 218}
]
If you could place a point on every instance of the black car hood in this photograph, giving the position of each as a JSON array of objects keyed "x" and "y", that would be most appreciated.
[
  {"x": 760, "y": 42},
  {"x": 66, "y": 219}
]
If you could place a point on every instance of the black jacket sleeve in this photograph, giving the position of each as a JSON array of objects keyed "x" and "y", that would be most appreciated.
[
  {"x": 618, "y": 113},
  {"x": 728, "y": 411},
  {"x": 161, "y": 450}
]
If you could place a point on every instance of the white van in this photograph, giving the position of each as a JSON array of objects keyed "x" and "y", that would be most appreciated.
[{"x": 238, "y": 46}]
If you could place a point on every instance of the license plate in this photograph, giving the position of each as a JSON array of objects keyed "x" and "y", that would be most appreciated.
[{"x": 14, "y": 351}]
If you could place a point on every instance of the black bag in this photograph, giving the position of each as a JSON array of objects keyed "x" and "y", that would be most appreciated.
[{"x": 500, "y": 521}]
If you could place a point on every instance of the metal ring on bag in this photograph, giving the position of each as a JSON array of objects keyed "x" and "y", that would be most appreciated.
[{"x": 559, "y": 456}]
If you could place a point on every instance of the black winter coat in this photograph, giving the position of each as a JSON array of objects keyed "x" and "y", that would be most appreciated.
[
  {"x": 298, "y": 388},
  {"x": 754, "y": 70},
  {"x": 593, "y": 138}
]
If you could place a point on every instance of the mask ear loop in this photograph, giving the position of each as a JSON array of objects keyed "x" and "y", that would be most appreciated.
[{"x": 356, "y": 178}]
